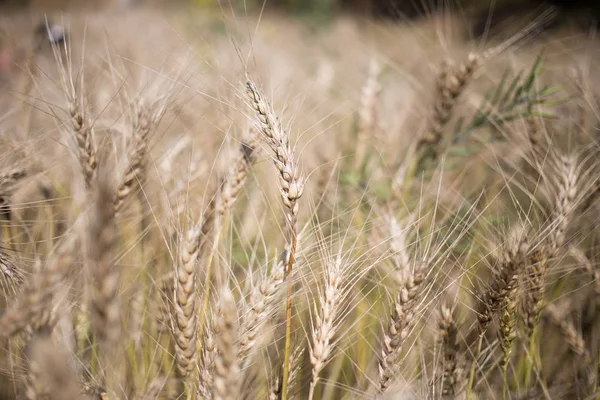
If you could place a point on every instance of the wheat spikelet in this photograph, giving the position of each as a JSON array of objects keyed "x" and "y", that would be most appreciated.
[
  {"x": 401, "y": 323},
  {"x": 291, "y": 185},
  {"x": 569, "y": 332},
  {"x": 36, "y": 299},
  {"x": 326, "y": 325},
  {"x": 295, "y": 367},
  {"x": 450, "y": 85},
  {"x": 49, "y": 376},
  {"x": 506, "y": 269},
  {"x": 207, "y": 365},
  {"x": 104, "y": 300},
  {"x": 259, "y": 310},
  {"x": 568, "y": 176},
  {"x": 508, "y": 333},
  {"x": 185, "y": 324},
  {"x": 238, "y": 173},
  {"x": 11, "y": 276},
  {"x": 448, "y": 334},
  {"x": 84, "y": 135},
  {"x": 226, "y": 385},
  {"x": 146, "y": 117},
  {"x": 290, "y": 179},
  {"x": 367, "y": 112}
]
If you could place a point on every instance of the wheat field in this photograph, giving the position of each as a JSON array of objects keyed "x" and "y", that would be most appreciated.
[{"x": 213, "y": 203}]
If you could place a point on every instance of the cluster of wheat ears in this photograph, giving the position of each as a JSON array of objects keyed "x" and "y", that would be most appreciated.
[{"x": 407, "y": 277}]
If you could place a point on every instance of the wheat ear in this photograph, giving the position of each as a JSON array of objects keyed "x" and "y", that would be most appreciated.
[
  {"x": 185, "y": 324},
  {"x": 146, "y": 118},
  {"x": 49, "y": 376},
  {"x": 259, "y": 309},
  {"x": 402, "y": 321},
  {"x": 32, "y": 306},
  {"x": 326, "y": 325},
  {"x": 291, "y": 185},
  {"x": 226, "y": 385},
  {"x": 450, "y": 85},
  {"x": 448, "y": 332}
]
